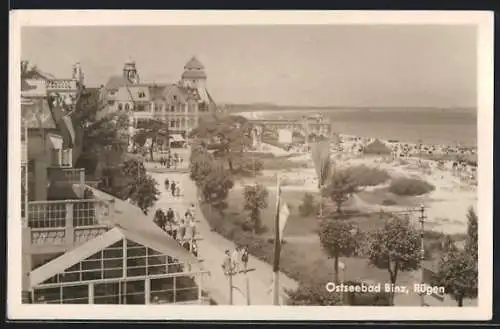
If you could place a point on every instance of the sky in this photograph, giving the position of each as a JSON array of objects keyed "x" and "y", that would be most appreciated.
[{"x": 317, "y": 65}]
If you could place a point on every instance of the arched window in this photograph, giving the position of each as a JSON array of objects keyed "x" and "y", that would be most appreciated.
[
  {"x": 120, "y": 106},
  {"x": 127, "y": 107}
]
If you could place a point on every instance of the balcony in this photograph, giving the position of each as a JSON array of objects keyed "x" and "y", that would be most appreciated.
[
  {"x": 61, "y": 85},
  {"x": 66, "y": 223},
  {"x": 66, "y": 175}
]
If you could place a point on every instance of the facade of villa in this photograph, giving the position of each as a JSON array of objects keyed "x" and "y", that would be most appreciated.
[
  {"x": 178, "y": 105},
  {"x": 86, "y": 247}
]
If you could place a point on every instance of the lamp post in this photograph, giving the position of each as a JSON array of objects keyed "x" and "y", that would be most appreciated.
[
  {"x": 422, "y": 251},
  {"x": 229, "y": 268}
]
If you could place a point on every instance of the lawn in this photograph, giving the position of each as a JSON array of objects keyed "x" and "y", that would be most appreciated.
[{"x": 296, "y": 224}]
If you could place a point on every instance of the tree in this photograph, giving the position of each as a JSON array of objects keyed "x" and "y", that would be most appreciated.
[
  {"x": 458, "y": 270},
  {"x": 153, "y": 129},
  {"x": 307, "y": 207},
  {"x": 312, "y": 294},
  {"x": 337, "y": 238},
  {"x": 227, "y": 137},
  {"x": 320, "y": 154},
  {"x": 458, "y": 274},
  {"x": 340, "y": 188},
  {"x": 395, "y": 247},
  {"x": 256, "y": 199},
  {"x": 471, "y": 244},
  {"x": 141, "y": 188},
  {"x": 215, "y": 187},
  {"x": 102, "y": 139}
]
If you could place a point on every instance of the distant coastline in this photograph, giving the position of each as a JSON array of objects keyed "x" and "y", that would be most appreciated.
[
  {"x": 269, "y": 107},
  {"x": 411, "y": 125}
]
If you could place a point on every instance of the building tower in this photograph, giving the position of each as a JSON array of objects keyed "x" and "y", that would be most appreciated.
[
  {"x": 130, "y": 72},
  {"x": 194, "y": 75}
]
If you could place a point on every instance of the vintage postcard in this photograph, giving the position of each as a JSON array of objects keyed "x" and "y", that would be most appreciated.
[{"x": 250, "y": 165}]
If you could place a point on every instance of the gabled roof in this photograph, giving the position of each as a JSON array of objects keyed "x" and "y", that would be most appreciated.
[{"x": 194, "y": 63}]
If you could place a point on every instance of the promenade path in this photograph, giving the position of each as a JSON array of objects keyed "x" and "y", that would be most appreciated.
[{"x": 212, "y": 247}]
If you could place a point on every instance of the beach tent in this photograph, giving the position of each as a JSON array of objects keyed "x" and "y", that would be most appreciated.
[{"x": 377, "y": 147}]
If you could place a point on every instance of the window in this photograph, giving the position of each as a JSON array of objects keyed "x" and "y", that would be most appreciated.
[
  {"x": 111, "y": 102},
  {"x": 175, "y": 97},
  {"x": 172, "y": 108},
  {"x": 140, "y": 108},
  {"x": 120, "y": 106},
  {"x": 55, "y": 156},
  {"x": 142, "y": 94},
  {"x": 172, "y": 123},
  {"x": 127, "y": 107}
]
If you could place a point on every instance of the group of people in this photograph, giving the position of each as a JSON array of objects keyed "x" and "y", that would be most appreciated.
[
  {"x": 182, "y": 229},
  {"x": 170, "y": 161},
  {"x": 237, "y": 261},
  {"x": 173, "y": 187}
]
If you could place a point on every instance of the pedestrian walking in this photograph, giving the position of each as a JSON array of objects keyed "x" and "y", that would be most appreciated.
[
  {"x": 178, "y": 190},
  {"x": 167, "y": 184},
  {"x": 170, "y": 218},
  {"x": 194, "y": 248},
  {"x": 182, "y": 230},
  {"x": 192, "y": 210},
  {"x": 227, "y": 263},
  {"x": 192, "y": 228},
  {"x": 172, "y": 188},
  {"x": 244, "y": 257},
  {"x": 186, "y": 245}
]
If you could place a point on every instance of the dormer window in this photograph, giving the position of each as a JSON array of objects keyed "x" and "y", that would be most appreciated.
[{"x": 142, "y": 94}]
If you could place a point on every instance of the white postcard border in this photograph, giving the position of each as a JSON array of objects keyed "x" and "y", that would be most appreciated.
[{"x": 483, "y": 21}]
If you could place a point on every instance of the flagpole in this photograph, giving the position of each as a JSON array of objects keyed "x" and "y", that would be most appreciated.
[{"x": 277, "y": 246}]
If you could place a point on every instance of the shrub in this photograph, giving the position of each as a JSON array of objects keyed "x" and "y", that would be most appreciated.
[
  {"x": 410, "y": 186},
  {"x": 389, "y": 202},
  {"x": 369, "y": 176},
  {"x": 307, "y": 207}
]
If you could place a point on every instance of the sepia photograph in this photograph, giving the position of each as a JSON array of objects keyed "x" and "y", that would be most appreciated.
[{"x": 169, "y": 166}]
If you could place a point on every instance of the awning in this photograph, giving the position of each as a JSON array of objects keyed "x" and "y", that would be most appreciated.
[
  {"x": 56, "y": 141},
  {"x": 176, "y": 138}
]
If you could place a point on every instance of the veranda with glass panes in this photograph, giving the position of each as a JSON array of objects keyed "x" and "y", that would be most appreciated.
[{"x": 123, "y": 273}]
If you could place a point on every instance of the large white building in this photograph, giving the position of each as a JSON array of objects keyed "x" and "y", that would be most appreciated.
[{"x": 179, "y": 105}]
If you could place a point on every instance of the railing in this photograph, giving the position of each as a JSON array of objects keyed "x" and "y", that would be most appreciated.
[
  {"x": 64, "y": 213},
  {"x": 67, "y": 175},
  {"x": 61, "y": 84}
]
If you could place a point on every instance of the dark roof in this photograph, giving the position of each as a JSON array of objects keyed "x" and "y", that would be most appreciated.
[
  {"x": 194, "y": 74},
  {"x": 116, "y": 82},
  {"x": 194, "y": 63},
  {"x": 377, "y": 147}
]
